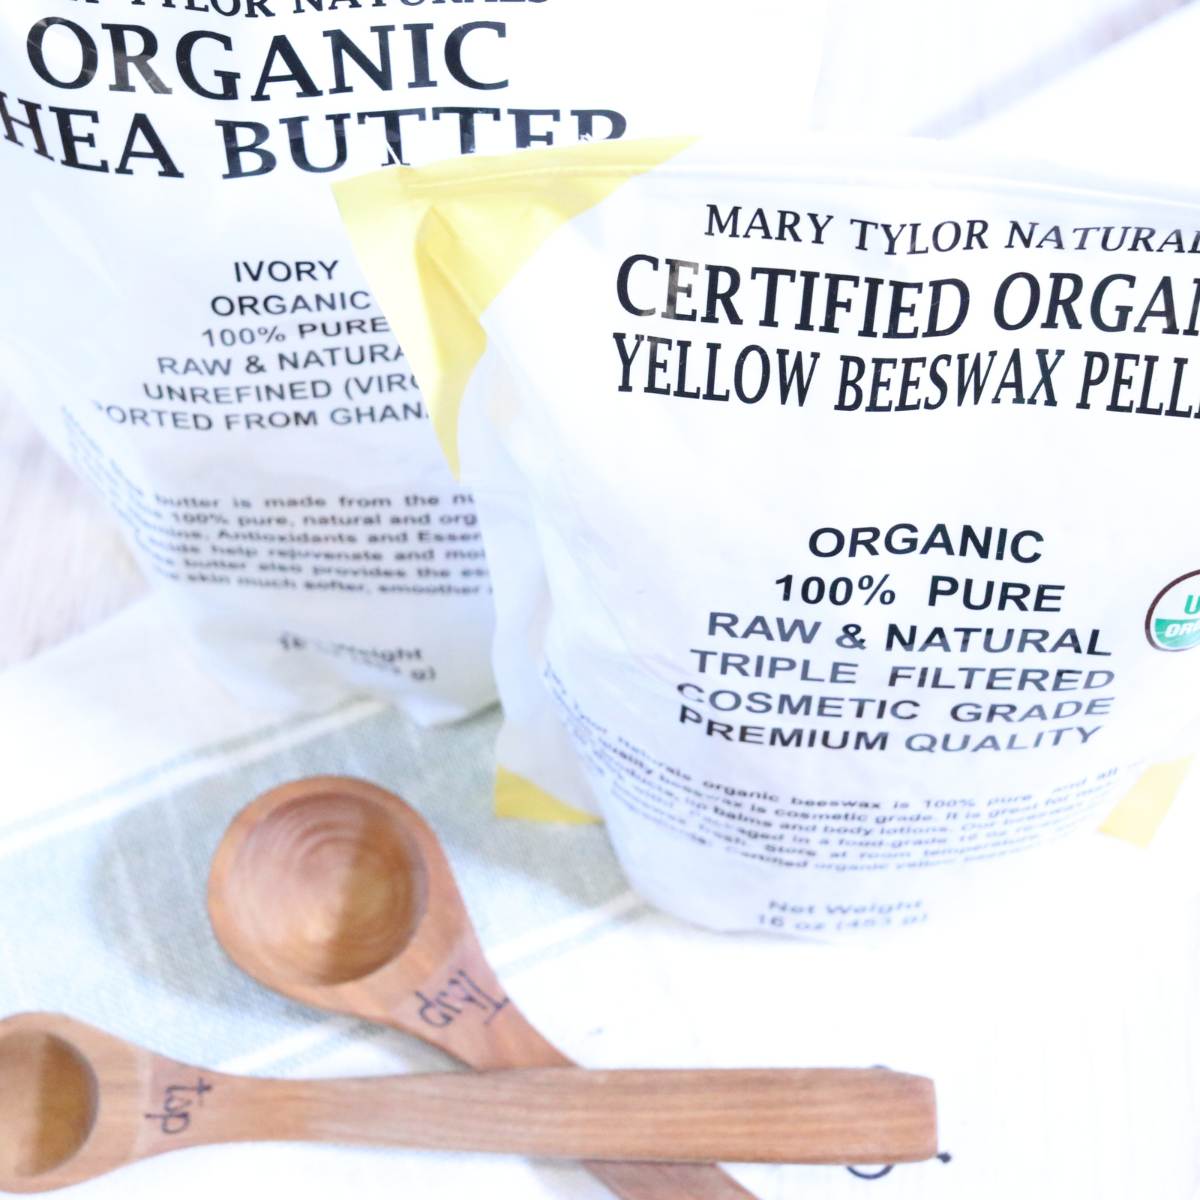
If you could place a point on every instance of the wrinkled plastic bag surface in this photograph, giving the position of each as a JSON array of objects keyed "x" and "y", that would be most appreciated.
[{"x": 836, "y": 500}]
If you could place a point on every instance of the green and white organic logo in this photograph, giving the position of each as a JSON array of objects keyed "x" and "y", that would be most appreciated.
[{"x": 1173, "y": 622}]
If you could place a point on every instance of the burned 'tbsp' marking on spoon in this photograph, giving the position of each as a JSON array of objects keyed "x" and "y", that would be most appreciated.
[
  {"x": 178, "y": 1101},
  {"x": 461, "y": 995}
]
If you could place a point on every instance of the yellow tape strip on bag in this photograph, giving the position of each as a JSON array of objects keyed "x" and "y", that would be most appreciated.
[
  {"x": 516, "y": 796},
  {"x": 1144, "y": 807},
  {"x": 438, "y": 244}
]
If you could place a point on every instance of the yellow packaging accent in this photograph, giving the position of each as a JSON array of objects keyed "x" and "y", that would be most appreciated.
[
  {"x": 1143, "y": 809},
  {"x": 435, "y": 277},
  {"x": 515, "y": 796}
]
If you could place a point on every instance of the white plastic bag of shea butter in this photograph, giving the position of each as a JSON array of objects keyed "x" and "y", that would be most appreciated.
[
  {"x": 838, "y": 504},
  {"x": 183, "y": 314}
]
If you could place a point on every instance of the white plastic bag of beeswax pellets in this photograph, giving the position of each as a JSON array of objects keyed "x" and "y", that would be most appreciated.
[
  {"x": 838, "y": 504},
  {"x": 184, "y": 317}
]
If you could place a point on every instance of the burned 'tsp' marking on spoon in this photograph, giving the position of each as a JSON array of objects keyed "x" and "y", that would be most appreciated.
[
  {"x": 178, "y": 1101},
  {"x": 460, "y": 995}
]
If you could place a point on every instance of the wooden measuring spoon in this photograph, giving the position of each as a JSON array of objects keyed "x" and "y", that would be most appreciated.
[
  {"x": 336, "y": 893},
  {"x": 76, "y": 1103}
]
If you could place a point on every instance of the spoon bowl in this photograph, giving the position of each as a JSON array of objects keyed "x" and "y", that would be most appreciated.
[
  {"x": 58, "y": 1120},
  {"x": 336, "y": 893},
  {"x": 48, "y": 1104},
  {"x": 331, "y": 887}
]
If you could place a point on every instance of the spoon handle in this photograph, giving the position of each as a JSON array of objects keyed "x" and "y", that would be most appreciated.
[
  {"x": 791, "y": 1116},
  {"x": 667, "y": 1181},
  {"x": 511, "y": 1041},
  {"x": 467, "y": 1013},
  {"x": 475, "y": 1021}
]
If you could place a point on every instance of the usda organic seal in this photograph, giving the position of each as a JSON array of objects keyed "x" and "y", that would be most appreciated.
[{"x": 1173, "y": 622}]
